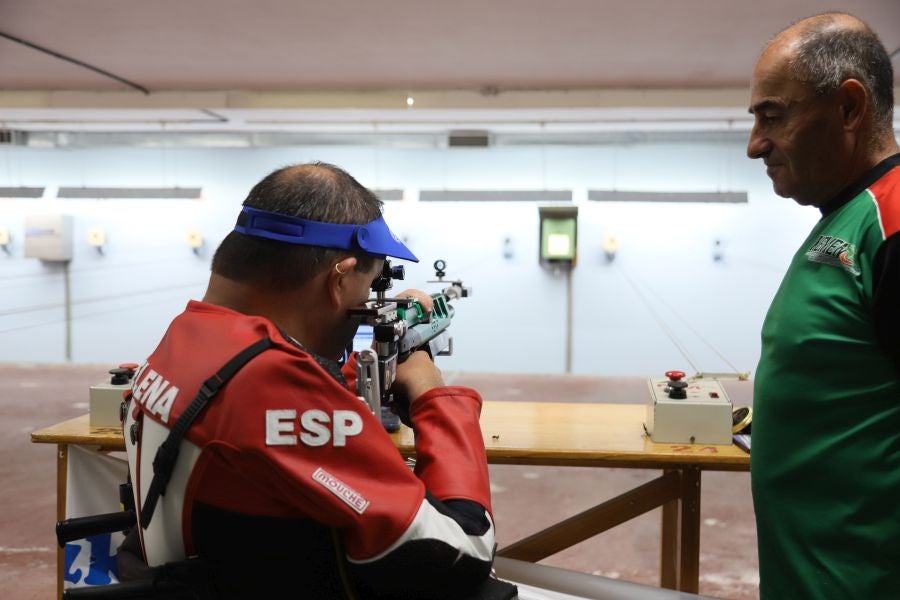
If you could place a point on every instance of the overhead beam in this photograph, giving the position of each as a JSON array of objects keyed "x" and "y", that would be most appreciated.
[{"x": 385, "y": 99}]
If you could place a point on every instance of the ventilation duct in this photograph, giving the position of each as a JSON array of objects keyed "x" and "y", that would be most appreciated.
[
  {"x": 13, "y": 137},
  {"x": 468, "y": 139}
]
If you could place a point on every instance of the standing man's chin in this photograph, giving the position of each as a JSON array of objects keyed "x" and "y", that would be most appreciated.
[
  {"x": 802, "y": 201},
  {"x": 782, "y": 191}
]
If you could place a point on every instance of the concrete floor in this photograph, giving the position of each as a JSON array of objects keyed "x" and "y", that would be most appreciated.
[{"x": 525, "y": 499}]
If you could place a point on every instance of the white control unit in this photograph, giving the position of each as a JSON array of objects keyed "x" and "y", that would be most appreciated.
[
  {"x": 106, "y": 397},
  {"x": 688, "y": 411},
  {"x": 48, "y": 237}
]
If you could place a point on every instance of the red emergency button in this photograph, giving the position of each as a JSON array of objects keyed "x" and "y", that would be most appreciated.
[{"x": 675, "y": 375}]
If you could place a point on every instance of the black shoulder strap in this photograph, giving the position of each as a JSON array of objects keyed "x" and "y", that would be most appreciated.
[{"x": 167, "y": 453}]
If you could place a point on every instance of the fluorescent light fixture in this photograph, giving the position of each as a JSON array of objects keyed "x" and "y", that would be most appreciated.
[
  {"x": 21, "y": 192},
  {"x": 178, "y": 193},
  {"x": 643, "y": 196},
  {"x": 495, "y": 196},
  {"x": 389, "y": 195}
]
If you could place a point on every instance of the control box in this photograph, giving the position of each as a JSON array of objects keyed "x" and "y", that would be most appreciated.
[
  {"x": 48, "y": 237},
  {"x": 106, "y": 397},
  {"x": 688, "y": 411}
]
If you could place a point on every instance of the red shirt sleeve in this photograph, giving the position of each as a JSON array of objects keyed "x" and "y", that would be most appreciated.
[{"x": 450, "y": 455}]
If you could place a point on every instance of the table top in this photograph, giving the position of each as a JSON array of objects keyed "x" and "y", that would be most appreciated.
[{"x": 533, "y": 433}]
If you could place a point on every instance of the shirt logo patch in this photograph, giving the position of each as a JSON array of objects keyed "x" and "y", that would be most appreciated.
[
  {"x": 831, "y": 250},
  {"x": 347, "y": 494}
]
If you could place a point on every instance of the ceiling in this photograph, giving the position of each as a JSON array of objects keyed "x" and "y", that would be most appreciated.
[{"x": 352, "y": 67}]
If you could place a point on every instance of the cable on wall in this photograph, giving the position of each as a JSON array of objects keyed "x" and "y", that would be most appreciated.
[
  {"x": 707, "y": 343},
  {"x": 97, "y": 299},
  {"x": 660, "y": 321},
  {"x": 671, "y": 334}
]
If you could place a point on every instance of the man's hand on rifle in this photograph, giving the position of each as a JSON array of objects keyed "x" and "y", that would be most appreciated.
[
  {"x": 416, "y": 375},
  {"x": 421, "y": 297}
]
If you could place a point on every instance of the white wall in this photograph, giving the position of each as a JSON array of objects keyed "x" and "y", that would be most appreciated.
[{"x": 663, "y": 283}]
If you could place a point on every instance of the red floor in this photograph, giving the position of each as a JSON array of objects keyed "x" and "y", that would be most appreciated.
[{"x": 525, "y": 498}]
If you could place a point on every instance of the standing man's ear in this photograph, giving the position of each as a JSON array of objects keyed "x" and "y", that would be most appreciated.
[
  {"x": 853, "y": 100},
  {"x": 336, "y": 279}
]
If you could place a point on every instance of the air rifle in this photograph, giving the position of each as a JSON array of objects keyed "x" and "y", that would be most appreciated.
[{"x": 399, "y": 328}]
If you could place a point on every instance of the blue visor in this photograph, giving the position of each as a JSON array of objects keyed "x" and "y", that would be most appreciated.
[{"x": 373, "y": 237}]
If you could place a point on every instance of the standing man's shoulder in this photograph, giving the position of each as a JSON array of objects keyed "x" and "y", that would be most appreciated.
[{"x": 886, "y": 195}]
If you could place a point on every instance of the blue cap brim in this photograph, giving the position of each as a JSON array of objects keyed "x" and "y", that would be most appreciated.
[{"x": 373, "y": 237}]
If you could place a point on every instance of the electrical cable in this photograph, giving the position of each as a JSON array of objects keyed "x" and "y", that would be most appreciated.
[
  {"x": 692, "y": 330},
  {"x": 96, "y": 269},
  {"x": 96, "y": 299},
  {"x": 659, "y": 320},
  {"x": 684, "y": 322},
  {"x": 130, "y": 306},
  {"x": 28, "y": 309},
  {"x": 75, "y": 61},
  {"x": 214, "y": 115}
]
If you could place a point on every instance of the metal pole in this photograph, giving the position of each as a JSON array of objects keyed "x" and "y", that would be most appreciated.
[
  {"x": 569, "y": 319},
  {"x": 68, "y": 304}
]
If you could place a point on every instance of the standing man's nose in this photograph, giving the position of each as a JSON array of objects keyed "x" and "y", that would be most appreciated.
[{"x": 757, "y": 145}]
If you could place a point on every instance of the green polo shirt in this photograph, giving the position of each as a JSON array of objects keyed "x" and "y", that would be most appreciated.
[{"x": 825, "y": 463}]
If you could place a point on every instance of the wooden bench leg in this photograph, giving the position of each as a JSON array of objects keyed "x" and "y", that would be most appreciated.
[
  {"x": 689, "y": 560},
  {"x": 62, "y": 468},
  {"x": 669, "y": 542}
]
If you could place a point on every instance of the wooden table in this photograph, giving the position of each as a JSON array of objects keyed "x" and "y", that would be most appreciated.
[{"x": 552, "y": 434}]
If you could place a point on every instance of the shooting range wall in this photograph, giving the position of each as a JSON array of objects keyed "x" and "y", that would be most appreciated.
[{"x": 688, "y": 286}]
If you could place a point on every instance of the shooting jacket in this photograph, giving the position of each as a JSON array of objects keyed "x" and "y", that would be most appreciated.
[{"x": 288, "y": 486}]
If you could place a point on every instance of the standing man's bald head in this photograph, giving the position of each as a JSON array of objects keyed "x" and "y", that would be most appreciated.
[
  {"x": 826, "y": 50},
  {"x": 822, "y": 97}
]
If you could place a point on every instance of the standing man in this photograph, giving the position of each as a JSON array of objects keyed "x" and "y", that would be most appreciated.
[
  {"x": 826, "y": 450},
  {"x": 285, "y": 485}
]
